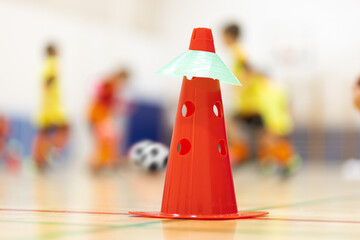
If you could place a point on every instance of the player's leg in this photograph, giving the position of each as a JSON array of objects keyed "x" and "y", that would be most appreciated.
[
  {"x": 41, "y": 148},
  {"x": 277, "y": 151},
  {"x": 109, "y": 144},
  {"x": 238, "y": 146},
  {"x": 251, "y": 127},
  {"x": 103, "y": 149},
  {"x": 256, "y": 131},
  {"x": 60, "y": 136},
  {"x": 95, "y": 159},
  {"x": 288, "y": 159}
]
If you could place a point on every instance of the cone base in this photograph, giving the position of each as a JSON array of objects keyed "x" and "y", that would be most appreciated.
[{"x": 237, "y": 215}]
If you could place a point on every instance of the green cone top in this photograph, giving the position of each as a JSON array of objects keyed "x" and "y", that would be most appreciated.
[{"x": 193, "y": 63}]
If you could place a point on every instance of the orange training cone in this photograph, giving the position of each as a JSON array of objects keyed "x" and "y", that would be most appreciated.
[{"x": 199, "y": 182}]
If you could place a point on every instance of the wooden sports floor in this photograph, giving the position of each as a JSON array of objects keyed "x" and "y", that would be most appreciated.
[{"x": 314, "y": 204}]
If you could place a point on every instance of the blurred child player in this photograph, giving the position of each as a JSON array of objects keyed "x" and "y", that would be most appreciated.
[
  {"x": 107, "y": 105},
  {"x": 275, "y": 147},
  {"x": 261, "y": 109},
  {"x": 247, "y": 99},
  {"x": 53, "y": 129}
]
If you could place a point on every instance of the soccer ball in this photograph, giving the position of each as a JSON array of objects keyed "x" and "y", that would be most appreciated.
[
  {"x": 155, "y": 157},
  {"x": 151, "y": 156},
  {"x": 137, "y": 150}
]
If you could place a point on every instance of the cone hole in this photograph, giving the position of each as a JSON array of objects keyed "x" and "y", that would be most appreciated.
[
  {"x": 222, "y": 147},
  {"x": 217, "y": 109},
  {"x": 183, "y": 146},
  {"x": 187, "y": 109}
]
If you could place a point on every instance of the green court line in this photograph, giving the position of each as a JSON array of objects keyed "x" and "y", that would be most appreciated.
[
  {"x": 55, "y": 223},
  {"x": 55, "y": 235},
  {"x": 136, "y": 225},
  {"x": 305, "y": 203},
  {"x": 262, "y": 232}
]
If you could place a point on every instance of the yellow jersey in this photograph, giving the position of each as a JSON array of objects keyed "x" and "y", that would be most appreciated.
[
  {"x": 247, "y": 98},
  {"x": 275, "y": 110},
  {"x": 51, "y": 111}
]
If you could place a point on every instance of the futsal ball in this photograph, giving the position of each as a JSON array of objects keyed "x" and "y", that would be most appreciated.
[
  {"x": 151, "y": 156},
  {"x": 155, "y": 157},
  {"x": 136, "y": 151}
]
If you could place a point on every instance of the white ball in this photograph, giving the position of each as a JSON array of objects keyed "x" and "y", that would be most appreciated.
[
  {"x": 136, "y": 150},
  {"x": 154, "y": 157}
]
